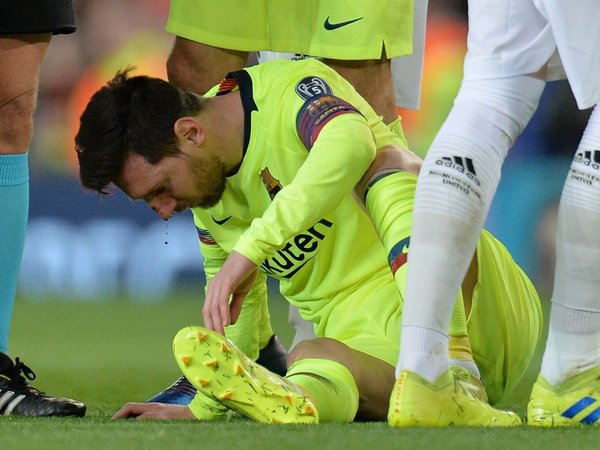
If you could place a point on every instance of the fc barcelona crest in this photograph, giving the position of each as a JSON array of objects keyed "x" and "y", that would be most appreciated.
[{"x": 271, "y": 183}]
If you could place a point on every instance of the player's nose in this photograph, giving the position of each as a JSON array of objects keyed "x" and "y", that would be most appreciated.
[{"x": 164, "y": 207}]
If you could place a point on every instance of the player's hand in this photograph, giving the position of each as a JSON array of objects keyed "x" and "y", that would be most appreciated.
[
  {"x": 233, "y": 281},
  {"x": 389, "y": 159},
  {"x": 154, "y": 411}
]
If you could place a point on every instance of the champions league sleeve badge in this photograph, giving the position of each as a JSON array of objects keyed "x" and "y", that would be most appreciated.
[
  {"x": 320, "y": 106},
  {"x": 311, "y": 87}
]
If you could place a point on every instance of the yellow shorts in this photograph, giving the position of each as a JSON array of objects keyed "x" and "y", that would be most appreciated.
[
  {"x": 505, "y": 323},
  {"x": 353, "y": 29},
  {"x": 367, "y": 318}
]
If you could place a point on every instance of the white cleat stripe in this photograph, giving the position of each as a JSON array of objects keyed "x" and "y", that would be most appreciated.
[
  {"x": 13, "y": 404},
  {"x": 5, "y": 397}
]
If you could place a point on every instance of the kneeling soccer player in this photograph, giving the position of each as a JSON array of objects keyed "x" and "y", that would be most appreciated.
[{"x": 268, "y": 167}]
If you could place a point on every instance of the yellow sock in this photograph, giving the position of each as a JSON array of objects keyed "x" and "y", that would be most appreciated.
[
  {"x": 389, "y": 201},
  {"x": 330, "y": 385},
  {"x": 459, "y": 345}
]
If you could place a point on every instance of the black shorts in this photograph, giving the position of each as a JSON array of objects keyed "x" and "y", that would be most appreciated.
[{"x": 36, "y": 16}]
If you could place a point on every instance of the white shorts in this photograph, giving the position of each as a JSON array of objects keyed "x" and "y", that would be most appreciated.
[
  {"x": 407, "y": 70},
  {"x": 517, "y": 37}
]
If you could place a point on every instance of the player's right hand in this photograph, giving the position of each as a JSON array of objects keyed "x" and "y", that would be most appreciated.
[
  {"x": 154, "y": 411},
  {"x": 232, "y": 282}
]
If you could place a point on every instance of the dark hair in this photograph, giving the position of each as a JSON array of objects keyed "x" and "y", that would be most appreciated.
[{"x": 130, "y": 115}]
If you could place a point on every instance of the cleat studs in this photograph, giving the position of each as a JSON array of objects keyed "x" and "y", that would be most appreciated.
[
  {"x": 204, "y": 383},
  {"x": 239, "y": 370},
  {"x": 227, "y": 395},
  {"x": 309, "y": 410},
  {"x": 289, "y": 398},
  {"x": 201, "y": 336},
  {"x": 186, "y": 360},
  {"x": 225, "y": 348},
  {"x": 211, "y": 363}
]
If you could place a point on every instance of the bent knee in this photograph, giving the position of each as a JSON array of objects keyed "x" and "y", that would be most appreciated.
[
  {"x": 16, "y": 121},
  {"x": 320, "y": 348}
]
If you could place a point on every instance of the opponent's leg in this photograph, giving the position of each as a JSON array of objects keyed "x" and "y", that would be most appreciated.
[
  {"x": 21, "y": 57},
  {"x": 198, "y": 67},
  {"x": 388, "y": 198},
  {"x": 456, "y": 185},
  {"x": 462, "y": 398},
  {"x": 567, "y": 391},
  {"x": 373, "y": 80}
]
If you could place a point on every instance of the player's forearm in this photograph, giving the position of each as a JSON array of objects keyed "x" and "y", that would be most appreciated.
[{"x": 338, "y": 159}]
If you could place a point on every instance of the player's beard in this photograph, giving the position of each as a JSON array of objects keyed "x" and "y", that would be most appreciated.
[{"x": 210, "y": 179}]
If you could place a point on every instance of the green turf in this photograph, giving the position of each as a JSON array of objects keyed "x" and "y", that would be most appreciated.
[{"x": 108, "y": 353}]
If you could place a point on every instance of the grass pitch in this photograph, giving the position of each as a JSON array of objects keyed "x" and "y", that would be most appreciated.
[{"x": 108, "y": 353}]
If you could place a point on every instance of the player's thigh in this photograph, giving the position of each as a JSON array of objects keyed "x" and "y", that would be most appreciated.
[
  {"x": 372, "y": 78},
  {"x": 198, "y": 67},
  {"x": 367, "y": 318},
  {"x": 21, "y": 57}
]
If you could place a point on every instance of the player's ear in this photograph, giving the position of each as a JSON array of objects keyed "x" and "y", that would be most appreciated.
[{"x": 188, "y": 129}]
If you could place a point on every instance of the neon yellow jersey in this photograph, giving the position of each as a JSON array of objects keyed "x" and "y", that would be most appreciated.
[{"x": 309, "y": 137}]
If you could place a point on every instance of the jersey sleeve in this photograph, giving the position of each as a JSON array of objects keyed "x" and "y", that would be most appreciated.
[
  {"x": 341, "y": 150},
  {"x": 253, "y": 329}
]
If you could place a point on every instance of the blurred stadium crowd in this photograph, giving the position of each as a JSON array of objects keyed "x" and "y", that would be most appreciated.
[{"x": 82, "y": 247}]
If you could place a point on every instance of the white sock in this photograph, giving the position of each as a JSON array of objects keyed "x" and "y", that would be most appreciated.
[
  {"x": 573, "y": 344},
  {"x": 420, "y": 347},
  {"x": 574, "y": 335},
  {"x": 456, "y": 185}
]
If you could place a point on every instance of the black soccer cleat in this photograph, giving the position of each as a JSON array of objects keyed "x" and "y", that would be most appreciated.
[
  {"x": 274, "y": 356},
  {"x": 18, "y": 398}
]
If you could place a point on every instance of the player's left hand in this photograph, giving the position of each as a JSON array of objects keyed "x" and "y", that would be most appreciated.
[
  {"x": 234, "y": 281},
  {"x": 154, "y": 411}
]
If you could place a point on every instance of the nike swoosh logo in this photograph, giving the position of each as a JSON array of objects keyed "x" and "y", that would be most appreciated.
[
  {"x": 334, "y": 26},
  {"x": 222, "y": 221}
]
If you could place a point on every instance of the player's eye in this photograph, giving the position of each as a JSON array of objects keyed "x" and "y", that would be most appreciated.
[{"x": 155, "y": 192}]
